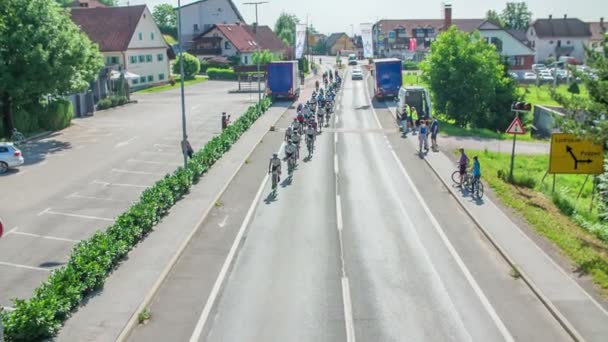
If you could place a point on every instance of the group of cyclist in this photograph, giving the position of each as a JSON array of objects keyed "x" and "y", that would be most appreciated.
[{"x": 308, "y": 123}]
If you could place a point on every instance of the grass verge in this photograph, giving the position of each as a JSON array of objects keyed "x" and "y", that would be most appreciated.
[
  {"x": 558, "y": 217},
  {"x": 166, "y": 87}
]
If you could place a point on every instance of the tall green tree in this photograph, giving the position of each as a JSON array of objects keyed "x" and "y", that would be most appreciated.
[
  {"x": 265, "y": 57},
  {"x": 516, "y": 15},
  {"x": 468, "y": 80},
  {"x": 285, "y": 28},
  {"x": 68, "y": 3},
  {"x": 165, "y": 17},
  {"x": 494, "y": 17},
  {"x": 42, "y": 52}
]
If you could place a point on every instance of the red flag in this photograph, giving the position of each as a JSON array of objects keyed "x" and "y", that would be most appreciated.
[{"x": 413, "y": 44}]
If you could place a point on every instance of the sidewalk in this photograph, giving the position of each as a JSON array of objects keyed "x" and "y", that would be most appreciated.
[
  {"x": 582, "y": 316},
  {"x": 104, "y": 316}
]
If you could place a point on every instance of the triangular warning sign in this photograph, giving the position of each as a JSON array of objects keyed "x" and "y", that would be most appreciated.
[{"x": 516, "y": 127}]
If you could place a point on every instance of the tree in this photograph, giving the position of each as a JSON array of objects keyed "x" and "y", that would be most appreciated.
[
  {"x": 516, "y": 15},
  {"x": 68, "y": 3},
  {"x": 285, "y": 28},
  {"x": 265, "y": 57},
  {"x": 467, "y": 79},
  {"x": 46, "y": 55},
  {"x": 321, "y": 47},
  {"x": 166, "y": 19},
  {"x": 494, "y": 17},
  {"x": 192, "y": 66}
]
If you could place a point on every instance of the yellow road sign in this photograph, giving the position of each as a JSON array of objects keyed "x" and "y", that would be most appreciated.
[{"x": 571, "y": 154}]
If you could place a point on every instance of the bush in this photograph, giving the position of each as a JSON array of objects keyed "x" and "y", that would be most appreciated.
[
  {"x": 104, "y": 104},
  {"x": 58, "y": 115},
  {"x": 112, "y": 101},
  {"x": 221, "y": 74},
  {"x": 562, "y": 201},
  {"x": 410, "y": 65},
  {"x": 206, "y": 66},
  {"x": 26, "y": 118},
  {"x": 90, "y": 262},
  {"x": 192, "y": 66}
]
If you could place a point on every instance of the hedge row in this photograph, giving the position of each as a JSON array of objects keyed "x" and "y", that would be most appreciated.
[
  {"x": 112, "y": 101},
  {"x": 90, "y": 262},
  {"x": 221, "y": 74}
]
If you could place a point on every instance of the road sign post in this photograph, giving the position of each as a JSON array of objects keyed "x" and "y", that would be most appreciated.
[{"x": 516, "y": 128}]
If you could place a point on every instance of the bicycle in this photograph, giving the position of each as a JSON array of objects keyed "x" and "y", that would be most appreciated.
[
  {"x": 291, "y": 164},
  {"x": 475, "y": 187},
  {"x": 320, "y": 118},
  {"x": 310, "y": 144},
  {"x": 275, "y": 180},
  {"x": 465, "y": 178},
  {"x": 17, "y": 137}
]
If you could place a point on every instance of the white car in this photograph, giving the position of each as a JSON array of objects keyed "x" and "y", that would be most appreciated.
[
  {"x": 545, "y": 75},
  {"x": 514, "y": 75},
  {"x": 10, "y": 156},
  {"x": 357, "y": 74},
  {"x": 538, "y": 67},
  {"x": 530, "y": 76}
]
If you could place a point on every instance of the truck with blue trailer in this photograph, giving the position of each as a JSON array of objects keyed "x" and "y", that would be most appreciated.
[
  {"x": 387, "y": 74},
  {"x": 282, "y": 80}
]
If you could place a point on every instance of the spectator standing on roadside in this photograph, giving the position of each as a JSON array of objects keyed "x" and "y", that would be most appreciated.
[
  {"x": 187, "y": 148},
  {"x": 434, "y": 132},
  {"x": 415, "y": 120}
]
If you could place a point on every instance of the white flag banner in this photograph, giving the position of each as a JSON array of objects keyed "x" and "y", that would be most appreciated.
[
  {"x": 366, "y": 37},
  {"x": 300, "y": 40}
]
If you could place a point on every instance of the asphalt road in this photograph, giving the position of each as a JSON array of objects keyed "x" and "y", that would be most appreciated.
[
  {"x": 364, "y": 243},
  {"x": 77, "y": 181}
]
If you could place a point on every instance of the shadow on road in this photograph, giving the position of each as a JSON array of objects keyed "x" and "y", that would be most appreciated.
[{"x": 37, "y": 151}]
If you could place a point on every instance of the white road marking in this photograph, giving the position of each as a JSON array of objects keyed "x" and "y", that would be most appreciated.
[
  {"x": 336, "y": 139},
  {"x": 138, "y": 172},
  {"x": 153, "y": 162},
  {"x": 50, "y": 212},
  {"x": 348, "y": 311},
  {"x": 24, "y": 266},
  {"x": 106, "y": 184},
  {"x": 223, "y": 223},
  {"x": 339, "y": 222},
  {"x": 198, "y": 330},
  {"x": 125, "y": 143},
  {"x": 195, "y": 107},
  {"x": 44, "y": 237},
  {"x": 43, "y": 212},
  {"x": 469, "y": 277},
  {"x": 77, "y": 195},
  {"x": 336, "y": 167}
]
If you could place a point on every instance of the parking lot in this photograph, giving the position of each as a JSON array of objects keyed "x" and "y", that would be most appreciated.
[{"x": 78, "y": 181}]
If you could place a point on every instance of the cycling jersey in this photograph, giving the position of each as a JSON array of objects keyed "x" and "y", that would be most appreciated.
[{"x": 275, "y": 164}]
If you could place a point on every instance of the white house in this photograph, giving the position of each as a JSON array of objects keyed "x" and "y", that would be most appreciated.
[
  {"x": 199, "y": 16},
  {"x": 509, "y": 44},
  {"x": 129, "y": 38},
  {"x": 557, "y": 37}
]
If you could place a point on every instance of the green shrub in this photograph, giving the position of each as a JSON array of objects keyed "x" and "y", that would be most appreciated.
[
  {"x": 561, "y": 201},
  {"x": 206, "y": 66},
  {"x": 90, "y": 262},
  {"x": 221, "y": 74},
  {"x": 58, "y": 115},
  {"x": 104, "y": 104},
  {"x": 410, "y": 65},
  {"x": 26, "y": 118},
  {"x": 192, "y": 66}
]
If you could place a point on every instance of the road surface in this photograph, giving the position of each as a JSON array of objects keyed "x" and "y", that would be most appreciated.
[{"x": 363, "y": 244}]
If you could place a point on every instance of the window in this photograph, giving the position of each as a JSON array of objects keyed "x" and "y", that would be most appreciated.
[
  {"x": 497, "y": 42},
  {"x": 141, "y": 36},
  {"x": 227, "y": 46},
  {"x": 161, "y": 77},
  {"x": 3, "y": 149},
  {"x": 133, "y": 59},
  {"x": 160, "y": 57},
  {"x": 559, "y": 43},
  {"x": 152, "y": 35},
  {"x": 142, "y": 79},
  {"x": 568, "y": 43},
  {"x": 148, "y": 58},
  {"x": 135, "y": 81},
  {"x": 195, "y": 27},
  {"x": 112, "y": 60},
  {"x": 245, "y": 60},
  {"x": 150, "y": 78},
  {"x": 141, "y": 58}
]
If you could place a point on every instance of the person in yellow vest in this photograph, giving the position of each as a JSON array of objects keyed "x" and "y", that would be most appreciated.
[{"x": 415, "y": 120}]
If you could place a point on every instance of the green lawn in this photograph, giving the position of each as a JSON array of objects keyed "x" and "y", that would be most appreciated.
[
  {"x": 165, "y": 87},
  {"x": 542, "y": 95},
  {"x": 577, "y": 234}
]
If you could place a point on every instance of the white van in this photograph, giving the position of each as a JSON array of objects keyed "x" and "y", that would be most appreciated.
[
  {"x": 352, "y": 59},
  {"x": 418, "y": 97}
]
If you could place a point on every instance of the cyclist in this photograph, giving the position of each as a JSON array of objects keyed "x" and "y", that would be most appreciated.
[
  {"x": 463, "y": 163},
  {"x": 300, "y": 118},
  {"x": 476, "y": 173},
  {"x": 434, "y": 131},
  {"x": 274, "y": 168},
  {"x": 295, "y": 138},
  {"x": 310, "y": 139},
  {"x": 288, "y": 133},
  {"x": 290, "y": 155},
  {"x": 316, "y": 85}
]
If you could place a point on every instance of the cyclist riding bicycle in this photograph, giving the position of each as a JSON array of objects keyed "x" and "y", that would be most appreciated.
[
  {"x": 274, "y": 168},
  {"x": 290, "y": 155},
  {"x": 463, "y": 163},
  {"x": 295, "y": 138},
  {"x": 288, "y": 133},
  {"x": 310, "y": 138}
]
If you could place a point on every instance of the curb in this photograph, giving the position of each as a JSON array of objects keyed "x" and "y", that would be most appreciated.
[
  {"x": 563, "y": 321},
  {"x": 132, "y": 323}
]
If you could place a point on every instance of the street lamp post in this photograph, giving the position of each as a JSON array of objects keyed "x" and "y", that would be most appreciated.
[
  {"x": 181, "y": 71},
  {"x": 256, "y": 4}
]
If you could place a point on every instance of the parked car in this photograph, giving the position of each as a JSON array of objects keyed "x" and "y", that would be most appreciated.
[
  {"x": 357, "y": 74},
  {"x": 530, "y": 76},
  {"x": 514, "y": 75},
  {"x": 559, "y": 73},
  {"x": 10, "y": 156},
  {"x": 545, "y": 75},
  {"x": 538, "y": 67}
]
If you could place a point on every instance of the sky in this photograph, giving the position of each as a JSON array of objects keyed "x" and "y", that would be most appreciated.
[{"x": 329, "y": 16}]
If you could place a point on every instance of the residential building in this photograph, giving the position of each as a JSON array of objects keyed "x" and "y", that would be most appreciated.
[
  {"x": 557, "y": 37},
  {"x": 339, "y": 43},
  {"x": 199, "y": 16},
  {"x": 412, "y": 38},
  {"x": 231, "y": 40},
  {"x": 599, "y": 34},
  {"x": 87, "y": 4},
  {"x": 128, "y": 38}
]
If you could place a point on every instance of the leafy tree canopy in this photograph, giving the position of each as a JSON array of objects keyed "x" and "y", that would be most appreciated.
[
  {"x": 285, "y": 28},
  {"x": 494, "y": 17},
  {"x": 516, "y": 15}
]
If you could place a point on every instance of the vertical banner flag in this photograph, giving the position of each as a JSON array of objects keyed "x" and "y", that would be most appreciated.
[
  {"x": 366, "y": 37},
  {"x": 300, "y": 39},
  {"x": 413, "y": 44}
]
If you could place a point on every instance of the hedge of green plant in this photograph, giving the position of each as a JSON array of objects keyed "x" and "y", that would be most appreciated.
[
  {"x": 112, "y": 101},
  {"x": 221, "y": 74},
  {"x": 90, "y": 262}
]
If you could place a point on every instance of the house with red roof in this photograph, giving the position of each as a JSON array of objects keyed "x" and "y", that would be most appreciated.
[
  {"x": 129, "y": 40},
  {"x": 230, "y": 40}
]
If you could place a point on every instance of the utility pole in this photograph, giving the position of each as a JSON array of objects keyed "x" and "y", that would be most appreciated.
[
  {"x": 181, "y": 81},
  {"x": 255, "y": 28}
]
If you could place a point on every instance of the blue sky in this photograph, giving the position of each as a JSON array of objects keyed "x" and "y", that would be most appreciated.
[{"x": 338, "y": 15}]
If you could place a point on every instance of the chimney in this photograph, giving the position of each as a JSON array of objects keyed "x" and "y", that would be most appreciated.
[
  {"x": 550, "y": 16},
  {"x": 565, "y": 16},
  {"x": 447, "y": 15}
]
